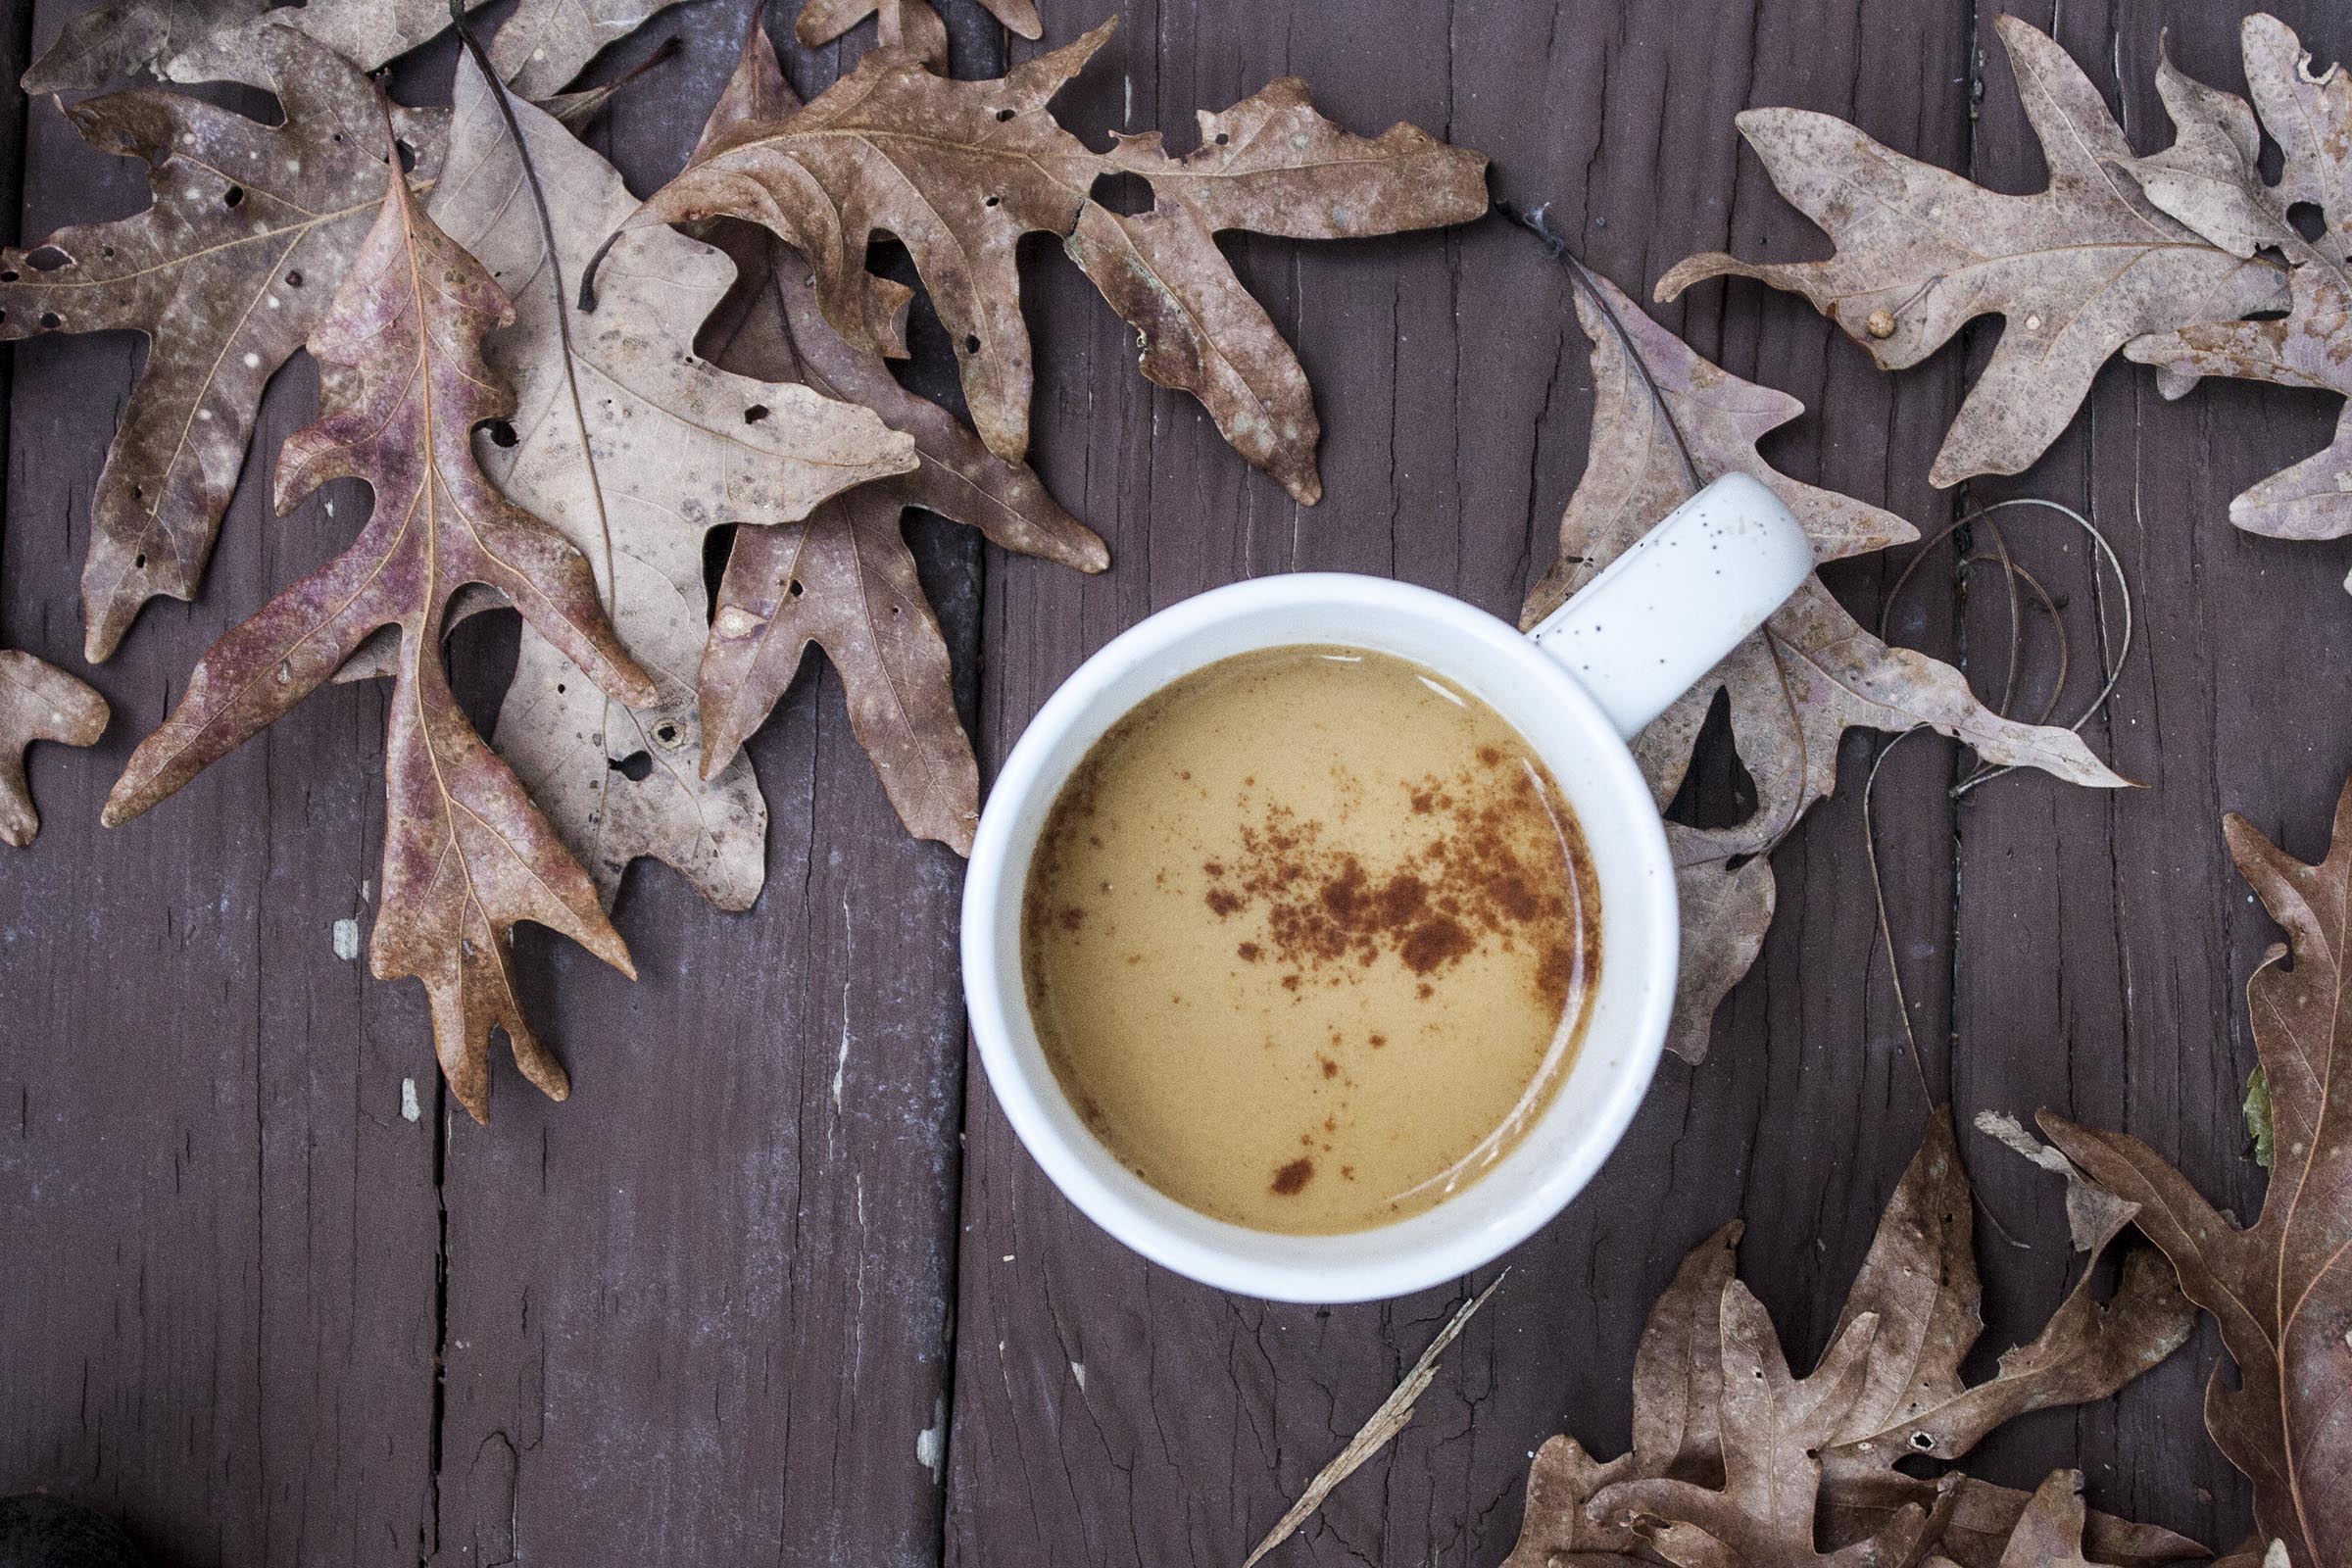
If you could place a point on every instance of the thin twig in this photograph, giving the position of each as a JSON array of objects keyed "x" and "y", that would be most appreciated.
[
  {"x": 1877, "y": 893},
  {"x": 2013, "y": 575},
  {"x": 608, "y": 586},
  {"x": 555, "y": 273},
  {"x": 1386, "y": 1422},
  {"x": 1532, "y": 221}
]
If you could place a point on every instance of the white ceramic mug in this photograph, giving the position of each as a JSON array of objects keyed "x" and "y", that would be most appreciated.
[{"x": 1577, "y": 688}]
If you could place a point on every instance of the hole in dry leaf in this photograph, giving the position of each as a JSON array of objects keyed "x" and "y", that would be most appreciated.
[
  {"x": 502, "y": 433},
  {"x": 2309, "y": 220},
  {"x": 560, "y": 688},
  {"x": 1003, "y": 115},
  {"x": 50, "y": 321},
  {"x": 971, "y": 343},
  {"x": 717, "y": 545},
  {"x": 1717, "y": 791},
  {"x": 9, "y": 277},
  {"x": 294, "y": 279},
  {"x": 1123, "y": 193},
  {"x": 236, "y": 197},
  {"x": 755, "y": 414},
  {"x": 1922, "y": 1441},
  {"x": 107, "y": 251},
  {"x": 991, "y": 201},
  {"x": 48, "y": 259},
  {"x": 668, "y": 734},
  {"x": 795, "y": 590},
  {"x": 1223, "y": 138},
  {"x": 635, "y": 767},
  {"x": 139, "y": 561}
]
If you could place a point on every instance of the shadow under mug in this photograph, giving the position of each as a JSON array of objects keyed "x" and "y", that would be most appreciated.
[{"x": 1577, "y": 688}]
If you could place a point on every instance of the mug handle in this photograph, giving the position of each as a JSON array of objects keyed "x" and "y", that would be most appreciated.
[{"x": 1687, "y": 593}]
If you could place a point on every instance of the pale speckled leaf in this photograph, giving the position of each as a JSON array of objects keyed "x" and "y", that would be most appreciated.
[
  {"x": 908, "y": 24},
  {"x": 107, "y": 43},
  {"x": 1795, "y": 686},
  {"x": 959, "y": 171},
  {"x": 660, "y": 447},
  {"x": 38, "y": 702},
  {"x": 2048, "y": 1533},
  {"x": 546, "y": 43},
  {"x": 538, "y": 51},
  {"x": 2281, "y": 1288},
  {"x": 250, "y": 229},
  {"x": 905, "y": 22},
  {"x": 403, "y": 384},
  {"x": 2210, "y": 179},
  {"x": 844, "y": 579},
  {"x": 2076, "y": 270}
]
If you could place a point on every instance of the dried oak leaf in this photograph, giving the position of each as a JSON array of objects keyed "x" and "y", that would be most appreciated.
[
  {"x": 38, "y": 702},
  {"x": 959, "y": 171},
  {"x": 1773, "y": 1427},
  {"x": 2076, "y": 270},
  {"x": 2210, "y": 179},
  {"x": 403, "y": 385},
  {"x": 1795, "y": 686},
  {"x": 906, "y": 23},
  {"x": 537, "y": 52},
  {"x": 124, "y": 37},
  {"x": 845, "y": 578},
  {"x": 231, "y": 268},
  {"x": 1736, "y": 1461},
  {"x": 633, "y": 447},
  {"x": 2281, "y": 1288},
  {"x": 2050, "y": 1533}
]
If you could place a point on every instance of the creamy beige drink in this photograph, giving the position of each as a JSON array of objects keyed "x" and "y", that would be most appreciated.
[{"x": 1310, "y": 938}]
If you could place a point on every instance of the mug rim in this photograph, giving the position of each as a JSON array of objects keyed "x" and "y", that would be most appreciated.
[{"x": 1242, "y": 1258}]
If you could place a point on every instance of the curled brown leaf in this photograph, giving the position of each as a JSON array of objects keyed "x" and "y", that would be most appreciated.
[
  {"x": 959, "y": 171},
  {"x": 38, "y": 702},
  {"x": 2281, "y": 1288},
  {"x": 403, "y": 385},
  {"x": 1736, "y": 1460},
  {"x": 844, "y": 579},
  {"x": 249, "y": 230}
]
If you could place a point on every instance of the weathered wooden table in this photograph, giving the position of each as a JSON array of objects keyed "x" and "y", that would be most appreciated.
[{"x": 778, "y": 1284}]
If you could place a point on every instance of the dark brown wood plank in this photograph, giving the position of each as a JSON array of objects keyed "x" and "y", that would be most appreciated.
[
  {"x": 1455, "y": 396},
  {"x": 701, "y": 1311},
  {"x": 2104, "y": 941},
  {"x": 705, "y": 1308},
  {"x": 221, "y": 1229}
]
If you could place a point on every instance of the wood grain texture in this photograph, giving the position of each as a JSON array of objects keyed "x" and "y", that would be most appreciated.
[{"x": 710, "y": 1309}]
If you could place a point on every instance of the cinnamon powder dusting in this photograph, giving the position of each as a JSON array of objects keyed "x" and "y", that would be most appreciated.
[
  {"x": 1310, "y": 910},
  {"x": 1480, "y": 878}
]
